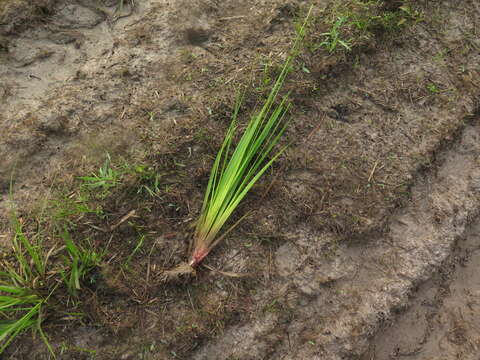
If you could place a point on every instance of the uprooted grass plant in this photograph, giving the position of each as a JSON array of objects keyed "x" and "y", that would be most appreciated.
[{"x": 235, "y": 172}]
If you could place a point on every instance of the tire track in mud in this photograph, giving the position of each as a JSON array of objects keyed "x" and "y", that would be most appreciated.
[
  {"x": 336, "y": 297},
  {"x": 442, "y": 318},
  {"x": 366, "y": 283}
]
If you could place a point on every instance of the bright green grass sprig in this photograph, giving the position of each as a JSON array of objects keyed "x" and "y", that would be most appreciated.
[
  {"x": 232, "y": 176},
  {"x": 79, "y": 263},
  {"x": 17, "y": 300},
  {"x": 20, "y": 305}
]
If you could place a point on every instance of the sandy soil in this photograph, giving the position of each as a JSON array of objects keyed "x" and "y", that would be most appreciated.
[
  {"x": 441, "y": 321},
  {"x": 361, "y": 245}
]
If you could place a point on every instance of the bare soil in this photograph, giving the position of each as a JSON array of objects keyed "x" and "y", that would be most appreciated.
[
  {"x": 360, "y": 245},
  {"x": 442, "y": 319}
]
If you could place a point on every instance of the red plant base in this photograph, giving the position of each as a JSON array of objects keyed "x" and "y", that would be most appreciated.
[{"x": 197, "y": 257}]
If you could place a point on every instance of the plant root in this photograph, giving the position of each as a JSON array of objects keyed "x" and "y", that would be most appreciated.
[{"x": 179, "y": 271}]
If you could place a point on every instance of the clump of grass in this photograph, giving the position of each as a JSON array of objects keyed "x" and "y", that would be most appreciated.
[
  {"x": 104, "y": 180},
  {"x": 235, "y": 172},
  {"x": 33, "y": 273},
  {"x": 354, "y": 23},
  {"x": 21, "y": 302},
  {"x": 333, "y": 37},
  {"x": 109, "y": 177},
  {"x": 21, "y": 310},
  {"x": 79, "y": 263},
  {"x": 47, "y": 266}
]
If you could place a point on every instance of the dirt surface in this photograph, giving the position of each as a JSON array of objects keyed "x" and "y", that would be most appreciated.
[
  {"x": 360, "y": 245},
  {"x": 442, "y": 319}
]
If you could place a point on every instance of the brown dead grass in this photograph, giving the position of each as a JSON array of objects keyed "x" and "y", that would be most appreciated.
[{"x": 16, "y": 15}]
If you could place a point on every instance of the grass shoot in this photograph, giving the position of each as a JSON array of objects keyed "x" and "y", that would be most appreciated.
[
  {"x": 79, "y": 263},
  {"x": 103, "y": 181}
]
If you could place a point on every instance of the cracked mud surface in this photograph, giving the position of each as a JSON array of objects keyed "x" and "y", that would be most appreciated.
[{"x": 363, "y": 242}]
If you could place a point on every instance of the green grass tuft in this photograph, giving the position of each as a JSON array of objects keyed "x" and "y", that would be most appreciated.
[
  {"x": 79, "y": 263},
  {"x": 103, "y": 181},
  {"x": 34, "y": 281},
  {"x": 354, "y": 23},
  {"x": 20, "y": 310},
  {"x": 20, "y": 301}
]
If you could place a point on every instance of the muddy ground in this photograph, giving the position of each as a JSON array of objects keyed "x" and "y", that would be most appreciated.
[{"x": 363, "y": 240}]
